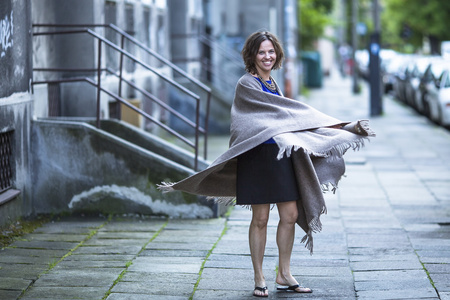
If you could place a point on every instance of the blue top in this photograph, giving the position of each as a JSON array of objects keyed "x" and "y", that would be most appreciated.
[{"x": 265, "y": 89}]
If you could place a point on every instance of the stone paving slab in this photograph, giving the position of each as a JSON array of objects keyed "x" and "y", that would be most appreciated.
[
  {"x": 327, "y": 287},
  {"x": 20, "y": 253},
  {"x": 407, "y": 293},
  {"x": 14, "y": 283},
  {"x": 122, "y": 242},
  {"x": 93, "y": 264},
  {"x": 184, "y": 268},
  {"x": 387, "y": 265},
  {"x": 178, "y": 246},
  {"x": 29, "y": 271},
  {"x": 10, "y": 258},
  {"x": 132, "y": 296},
  {"x": 390, "y": 275},
  {"x": 74, "y": 227},
  {"x": 113, "y": 249},
  {"x": 126, "y": 235},
  {"x": 178, "y": 289},
  {"x": 79, "y": 277},
  {"x": 90, "y": 258},
  {"x": 84, "y": 293},
  {"x": 44, "y": 245},
  {"x": 55, "y": 237},
  {"x": 162, "y": 278},
  {"x": 231, "y": 279},
  {"x": 444, "y": 295},
  {"x": 10, "y": 294},
  {"x": 132, "y": 227},
  {"x": 397, "y": 284}
]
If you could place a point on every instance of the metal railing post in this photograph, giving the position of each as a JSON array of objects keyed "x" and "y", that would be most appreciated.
[
  {"x": 208, "y": 101},
  {"x": 197, "y": 132},
  {"x": 99, "y": 76},
  {"x": 122, "y": 41}
]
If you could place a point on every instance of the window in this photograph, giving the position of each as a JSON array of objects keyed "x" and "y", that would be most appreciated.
[
  {"x": 7, "y": 193},
  {"x": 447, "y": 79},
  {"x": 5, "y": 160}
]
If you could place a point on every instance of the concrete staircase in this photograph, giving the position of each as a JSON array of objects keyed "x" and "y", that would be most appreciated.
[{"x": 81, "y": 169}]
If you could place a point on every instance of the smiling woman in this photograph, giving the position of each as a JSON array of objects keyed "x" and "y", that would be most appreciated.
[{"x": 282, "y": 152}]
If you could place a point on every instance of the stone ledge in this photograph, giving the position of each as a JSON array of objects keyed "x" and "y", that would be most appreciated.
[{"x": 8, "y": 195}]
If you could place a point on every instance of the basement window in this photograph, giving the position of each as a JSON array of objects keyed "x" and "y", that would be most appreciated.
[{"x": 7, "y": 193}]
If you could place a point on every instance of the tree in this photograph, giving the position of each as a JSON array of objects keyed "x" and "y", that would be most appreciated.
[
  {"x": 407, "y": 22},
  {"x": 314, "y": 17}
]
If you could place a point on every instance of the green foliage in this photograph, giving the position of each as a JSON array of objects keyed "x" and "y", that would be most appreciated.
[
  {"x": 364, "y": 15},
  {"x": 407, "y": 22},
  {"x": 314, "y": 17}
]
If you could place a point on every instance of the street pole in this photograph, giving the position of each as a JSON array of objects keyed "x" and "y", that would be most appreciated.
[
  {"x": 376, "y": 106},
  {"x": 355, "y": 86}
]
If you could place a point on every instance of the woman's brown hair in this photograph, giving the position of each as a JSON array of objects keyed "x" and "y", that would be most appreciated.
[{"x": 251, "y": 48}]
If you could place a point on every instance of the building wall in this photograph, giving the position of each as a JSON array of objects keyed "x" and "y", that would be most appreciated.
[
  {"x": 15, "y": 56},
  {"x": 144, "y": 20},
  {"x": 233, "y": 21},
  {"x": 20, "y": 52},
  {"x": 16, "y": 102}
]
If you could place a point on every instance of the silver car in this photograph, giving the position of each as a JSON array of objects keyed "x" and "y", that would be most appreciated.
[{"x": 437, "y": 97}]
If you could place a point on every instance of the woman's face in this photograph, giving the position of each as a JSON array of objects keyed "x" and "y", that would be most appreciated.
[{"x": 265, "y": 58}]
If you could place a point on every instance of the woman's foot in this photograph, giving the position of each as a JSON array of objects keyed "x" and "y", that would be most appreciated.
[
  {"x": 261, "y": 292},
  {"x": 289, "y": 283},
  {"x": 295, "y": 288}
]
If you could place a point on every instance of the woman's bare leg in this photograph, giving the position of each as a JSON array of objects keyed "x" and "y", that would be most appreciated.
[
  {"x": 285, "y": 238},
  {"x": 285, "y": 241},
  {"x": 257, "y": 239}
]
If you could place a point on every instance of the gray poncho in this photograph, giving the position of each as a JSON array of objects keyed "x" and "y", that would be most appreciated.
[{"x": 300, "y": 131}]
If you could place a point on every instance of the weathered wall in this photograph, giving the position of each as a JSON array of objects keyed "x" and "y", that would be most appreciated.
[
  {"x": 73, "y": 158},
  {"x": 15, "y": 47},
  {"x": 16, "y": 101}
]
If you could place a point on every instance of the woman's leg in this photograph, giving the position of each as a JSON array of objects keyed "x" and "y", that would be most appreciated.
[
  {"x": 257, "y": 239},
  {"x": 285, "y": 241}
]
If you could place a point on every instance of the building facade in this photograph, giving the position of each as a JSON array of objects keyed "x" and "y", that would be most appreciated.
[
  {"x": 16, "y": 109},
  {"x": 40, "y": 72}
]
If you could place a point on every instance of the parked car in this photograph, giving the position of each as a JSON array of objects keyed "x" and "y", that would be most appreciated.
[
  {"x": 389, "y": 66},
  {"x": 423, "y": 76},
  {"x": 401, "y": 75},
  {"x": 362, "y": 63},
  {"x": 416, "y": 71},
  {"x": 437, "y": 97}
]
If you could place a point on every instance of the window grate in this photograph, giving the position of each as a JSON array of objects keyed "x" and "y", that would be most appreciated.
[{"x": 5, "y": 160}]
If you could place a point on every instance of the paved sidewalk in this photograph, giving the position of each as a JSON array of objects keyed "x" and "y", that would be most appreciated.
[{"x": 386, "y": 234}]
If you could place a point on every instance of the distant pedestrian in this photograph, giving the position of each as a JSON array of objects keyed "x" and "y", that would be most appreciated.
[{"x": 282, "y": 152}]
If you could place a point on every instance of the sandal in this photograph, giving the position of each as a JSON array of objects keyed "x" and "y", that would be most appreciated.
[
  {"x": 294, "y": 288},
  {"x": 261, "y": 289}
]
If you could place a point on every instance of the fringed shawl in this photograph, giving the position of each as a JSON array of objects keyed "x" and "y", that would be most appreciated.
[{"x": 300, "y": 131}]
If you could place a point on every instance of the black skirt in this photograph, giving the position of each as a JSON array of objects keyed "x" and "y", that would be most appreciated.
[{"x": 262, "y": 179}]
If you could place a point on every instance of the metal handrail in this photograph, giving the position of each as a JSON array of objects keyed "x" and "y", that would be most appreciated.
[
  {"x": 162, "y": 59},
  {"x": 144, "y": 92},
  {"x": 146, "y": 66},
  {"x": 121, "y": 100}
]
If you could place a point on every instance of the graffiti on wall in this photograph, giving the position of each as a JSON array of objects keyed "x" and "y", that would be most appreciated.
[{"x": 6, "y": 34}]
